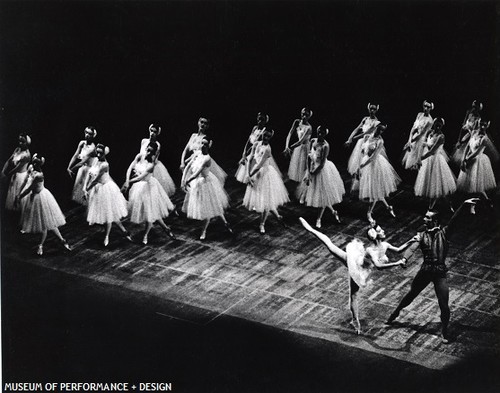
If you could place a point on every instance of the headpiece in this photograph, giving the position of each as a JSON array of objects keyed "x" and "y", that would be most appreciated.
[
  {"x": 105, "y": 148},
  {"x": 438, "y": 120},
  {"x": 35, "y": 157},
  {"x": 478, "y": 104},
  {"x": 431, "y": 104},
  {"x": 325, "y": 130},
  {"x": 305, "y": 109},
  {"x": 377, "y": 106},
  {"x": 157, "y": 128},
  {"x": 94, "y": 131}
]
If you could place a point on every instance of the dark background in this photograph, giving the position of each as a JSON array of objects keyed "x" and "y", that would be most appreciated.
[{"x": 122, "y": 65}]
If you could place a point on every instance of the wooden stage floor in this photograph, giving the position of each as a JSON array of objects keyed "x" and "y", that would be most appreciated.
[{"x": 288, "y": 280}]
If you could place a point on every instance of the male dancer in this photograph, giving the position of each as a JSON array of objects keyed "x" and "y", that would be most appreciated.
[{"x": 434, "y": 245}]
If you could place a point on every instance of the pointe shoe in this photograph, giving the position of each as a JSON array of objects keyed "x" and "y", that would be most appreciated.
[
  {"x": 452, "y": 209},
  {"x": 203, "y": 235},
  {"x": 170, "y": 234},
  {"x": 145, "y": 240},
  {"x": 127, "y": 236},
  {"x": 473, "y": 209},
  {"x": 228, "y": 228},
  {"x": 391, "y": 211},
  {"x": 370, "y": 219},
  {"x": 445, "y": 339},
  {"x": 39, "y": 251},
  {"x": 336, "y": 216},
  {"x": 392, "y": 318},
  {"x": 66, "y": 245},
  {"x": 356, "y": 325},
  {"x": 262, "y": 229},
  {"x": 318, "y": 223},
  {"x": 106, "y": 241}
]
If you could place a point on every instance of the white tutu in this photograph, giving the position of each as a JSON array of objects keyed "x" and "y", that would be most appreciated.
[
  {"x": 378, "y": 179},
  {"x": 161, "y": 174},
  {"x": 148, "y": 201},
  {"x": 435, "y": 178},
  {"x": 325, "y": 189},
  {"x": 81, "y": 176},
  {"x": 268, "y": 191},
  {"x": 242, "y": 174},
  {"x": 358, "y": 270},
  {"x": 355, "y": 158},
  {"x": 298, "y": 163},
  {"x": 41, "y": 213},
  {"x": 106, "y": 204},
  {"x": 206, "y": 198},
  {"x": 14, "y": 190},
  {"x": 478, "y": 177},
  {"x": 413, "y": 156}
]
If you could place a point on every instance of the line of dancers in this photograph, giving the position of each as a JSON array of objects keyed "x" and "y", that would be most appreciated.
[{"x": 145, "y": 195}]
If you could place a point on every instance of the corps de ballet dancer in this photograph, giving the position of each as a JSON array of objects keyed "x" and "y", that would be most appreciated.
[
  {"x": 476, "y": 174},
  {"x": 106, "y": 204},
  {"x": 41, "y": 213},
  {"x": 193, "y": 148},
  {"x": 433, "y": 242},
  {"x": 470, "y": 123},
  {"x": 265, "y": 189},
  {"x": 255, "y": 136},
  {"x": 160, "y": 172},
  {"x": 360, "y": 261},
  {"x": 81, "y": 162},
  {"x": 299, "y": 150},
  {"x": 435, "y": 179},
  {"x": 322, "y": 186},
  {"x": 367, "y": 126},
  {"x": 16, "y": 170},
  {"x": 413, "y": 148},
  {"x": 148, "y": 201},
  {"x": 206, "y": 198},
  {"x": 377, "y": 178}
]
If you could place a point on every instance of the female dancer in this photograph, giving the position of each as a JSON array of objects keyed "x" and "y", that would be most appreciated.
[
  {"x": 413, "y": 148},
  {"x": 41, "y": 212},
  {"x": 106, "y": 203},
  {"x": 206, "y": 198},
  {"x": 435, "y": 178},
  {"x": 298, "y": 160},
  {"x": 255, "y": 135},
  {"x": 82, "y": 160},
  {"x": 160, "y": 172},
  {"x": 377, "y": 177},
  {"x": 148, "y": 201},
  {"x": 193, "y": 148},
  {"x": 265, "y": 190},
  {"x": 322, "y": 186},
  {"x": 476, "y": 175},
  {"x": 360, "y": 261},
  {"x": 471, "y": 123},
  {"x": 16, "y": 168},
  {"x": 366, "y": 127}
]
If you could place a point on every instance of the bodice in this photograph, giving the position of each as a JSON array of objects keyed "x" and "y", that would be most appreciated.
[
  {"x": 475, "y": 142},
  {"x": 315, "y": 154},
  {"x": 86, "y": 151},
  {"x": 255, "y": 135},
  {"x": 20, "y": 155},
  {"x": 368, "y": 124},
  {"x": 369, "y": 145},
  {"x": 96, "y": 168},
  {"x": 472, "y": 122},
  {"x": 301, "y": 130},
  {"x": 195, "y": 141},
  {"x": 36, "y": 179},
  {"x": 142, "y": 167},
  {"x": 422, "y": 121},
  {"x": 199, "y": 162},
  {"x": 260, "y": 150}
]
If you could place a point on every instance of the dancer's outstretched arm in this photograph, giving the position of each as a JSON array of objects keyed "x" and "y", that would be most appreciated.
[{"x": 336, "y": 251}]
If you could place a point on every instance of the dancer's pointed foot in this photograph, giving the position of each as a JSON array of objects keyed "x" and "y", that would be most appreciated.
[
  {"x": 262, "y": 229},
  {"x": 445, "y": 339},
  {"x": 356, "y": 325},
  {"x": 203, "y": 235},
  {"x": 473, "y": 209},
  {"x": 228, "y": 227},
  {"x": 370, "y": 218},
  {"x": 336, "y": 216},
  {"x": 318, "y": 223},
  {"x": 170, "y": 234},
  {"x": 145, "y": 240},
  {"x": 106, "y": 241},
  {"x": 39, "y": 251},
  {"x": 452, "y": 209},
  {"x": 66, "y": 245},
  {"x": 392, "y": 318},
  {"x": 127, "y": 236},
  {"x": 391, "y": 211}
]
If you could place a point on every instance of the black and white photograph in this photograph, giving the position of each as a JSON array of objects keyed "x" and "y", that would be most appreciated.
[{"x": 269, "y": 196}]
